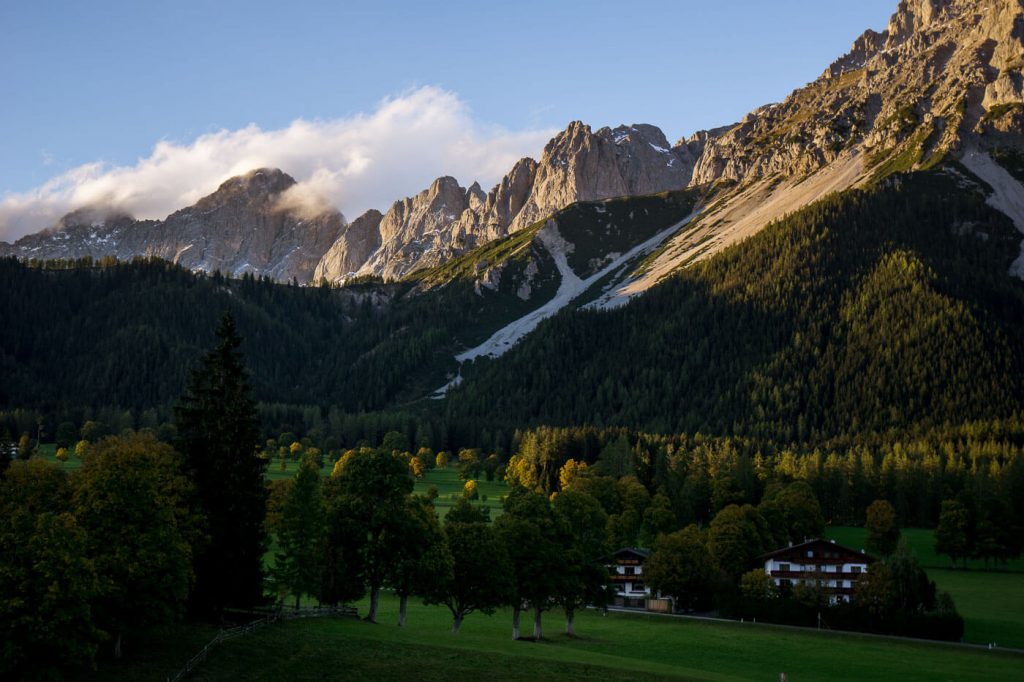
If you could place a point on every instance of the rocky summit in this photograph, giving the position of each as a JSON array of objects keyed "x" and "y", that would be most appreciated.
[
  {"x": 944, "y": 74},
  {"x": 246, "y": 226},
  {"x": 578, "y": 164}
]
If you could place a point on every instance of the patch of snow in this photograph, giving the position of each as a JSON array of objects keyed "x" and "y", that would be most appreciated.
[
  {"x": 660, "y": 150},
  {"x": 570, "y": 288},
  {"x": 1007, "y": 195}
]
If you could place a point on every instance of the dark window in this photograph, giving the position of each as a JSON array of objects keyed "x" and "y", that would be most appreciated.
[{"x": 784, "y": 567}]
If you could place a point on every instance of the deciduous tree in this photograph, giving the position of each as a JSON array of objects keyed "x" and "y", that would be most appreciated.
[
  {"x": 681, "y": 567},
  {"x": 584, "y": 579},
  {"x": 133, "y": 501},
  {"x": 883, "y": 529},
  {"x": 374, "y": 486},
  {"x": 47, "y": 581},
  {"x": 737, "y": 535},
  {"x": 481, "y": 573},
  {"x": 953, "y": 534},
  {"x": 300, "y": 532},
  {"x": 529, "y": 533},
  {"x": 422, "y": 561}
]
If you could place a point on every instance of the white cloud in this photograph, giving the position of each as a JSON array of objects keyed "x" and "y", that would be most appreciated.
[{"x": 366, "y": 161}]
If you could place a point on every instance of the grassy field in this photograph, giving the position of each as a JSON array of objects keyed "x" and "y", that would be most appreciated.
[
  {"x": 446, "y": 480},
  {"x": 449, "y": 488},
  {"x": 991, "y": 602},
  {"x": 612, "y": 647}
]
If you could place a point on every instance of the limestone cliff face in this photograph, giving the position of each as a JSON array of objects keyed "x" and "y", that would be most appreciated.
[
  {"x": 418, "y": 227},
  {"x": 350, "y": 251},
  {"x": 580, "y": 165},
  {"x": 943, "y": 73},
  {"x": 239, "y": 228},
  {"x": 446, "y": 220}
]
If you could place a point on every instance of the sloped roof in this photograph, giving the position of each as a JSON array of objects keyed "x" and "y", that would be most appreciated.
[
  {"x": 641, "y": 552},
  {"x": 818, "y": 542}
]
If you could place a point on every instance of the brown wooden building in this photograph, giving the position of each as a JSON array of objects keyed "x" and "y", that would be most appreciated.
[{"x": 834, "y": 568}]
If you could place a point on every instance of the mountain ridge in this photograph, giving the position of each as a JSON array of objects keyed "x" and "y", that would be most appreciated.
[{"x": 943, "y": 78}]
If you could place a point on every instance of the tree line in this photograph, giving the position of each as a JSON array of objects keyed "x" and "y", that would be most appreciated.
[{"x": 692, "y": 478}]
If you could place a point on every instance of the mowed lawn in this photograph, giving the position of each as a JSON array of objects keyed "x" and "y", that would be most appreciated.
[
  {"x": 612, "y": 647},
  {"x": 991, "y": 601}
]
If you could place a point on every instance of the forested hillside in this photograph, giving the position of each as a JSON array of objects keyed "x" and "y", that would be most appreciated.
[
  {"x": 887, "y": 308},
  {"x": 88, "y": 334}
]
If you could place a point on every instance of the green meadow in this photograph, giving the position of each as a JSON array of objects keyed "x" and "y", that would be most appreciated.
[
  {"x": 991, "y": 601},
  {"x": 608, "y": 647}
]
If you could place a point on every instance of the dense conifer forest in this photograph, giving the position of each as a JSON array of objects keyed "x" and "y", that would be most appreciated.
[{"x": 885, "y": 309}]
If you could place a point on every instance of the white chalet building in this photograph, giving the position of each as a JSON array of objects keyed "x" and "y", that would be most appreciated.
[
  {"x": 626, "y": 573},
  {"x": 836, "y": 569}
]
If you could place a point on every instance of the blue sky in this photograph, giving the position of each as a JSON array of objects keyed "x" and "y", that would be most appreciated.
[{"x": 88, "y": 82}]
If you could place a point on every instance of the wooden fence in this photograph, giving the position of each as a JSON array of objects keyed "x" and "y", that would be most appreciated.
[{"x": 249, "y": 628}]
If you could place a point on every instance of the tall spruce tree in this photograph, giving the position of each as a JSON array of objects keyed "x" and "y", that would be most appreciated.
[{"x": 218, "y": 434}]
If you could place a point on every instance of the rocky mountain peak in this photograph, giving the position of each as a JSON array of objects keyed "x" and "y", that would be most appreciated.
[
  {"x": 581, "y": 165},
  {"x": 913, "y": 16},
  {"x": 262, "y": 185},
  {"x": 944, "y": 73},
  {"x": 578, "y": 164},
  {"x": 91, "y": 216},
  {"x": 237, "y": 229},
  {"x": 353, "y": 247}
]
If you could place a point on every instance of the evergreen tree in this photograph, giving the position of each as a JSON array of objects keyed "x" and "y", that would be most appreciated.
[{"x": 218, "y": 434}]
